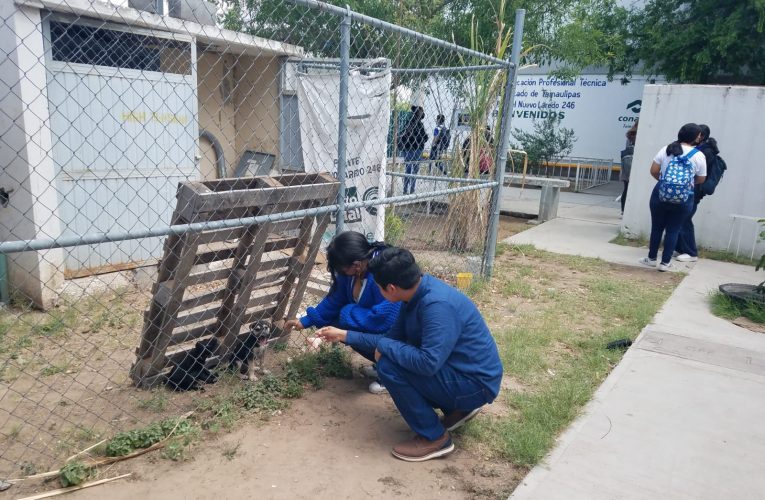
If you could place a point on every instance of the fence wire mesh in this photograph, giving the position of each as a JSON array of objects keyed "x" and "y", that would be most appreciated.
[{"x": 170, "y": 180}]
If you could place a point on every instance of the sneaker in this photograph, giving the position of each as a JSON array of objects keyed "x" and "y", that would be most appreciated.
[
  {"x": 684, "y": 257},
  {"x": 648, "y": 262},
  {"x": 675, "y": 253},
  {"x": 420, "y": 449},
  {"x": 369, "y": 371},
  {"x": 665, "y": 267},
  {"x": 377, "y": 388},
  {"x": 458, "y": 418}
]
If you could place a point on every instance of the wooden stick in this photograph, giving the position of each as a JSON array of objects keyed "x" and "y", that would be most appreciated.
[
  {"x": 61, "y": 491},
  {"x": 84, "y": 451},
  {"x": 108, "y": 460}
]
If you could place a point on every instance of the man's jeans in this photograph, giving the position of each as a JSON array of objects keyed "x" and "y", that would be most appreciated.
[
  {"x": 411, "y": 157},
  {"x": 416, "y": 396},
  {"x": 666, "y": 217}
]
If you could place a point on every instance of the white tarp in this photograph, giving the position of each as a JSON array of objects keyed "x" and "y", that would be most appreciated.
[{"x": 368, "y": 123}]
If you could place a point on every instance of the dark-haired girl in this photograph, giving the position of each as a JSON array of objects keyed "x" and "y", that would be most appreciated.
[
  {"x": 354, "y": 302},
  {"x": 667, "y": 218}
]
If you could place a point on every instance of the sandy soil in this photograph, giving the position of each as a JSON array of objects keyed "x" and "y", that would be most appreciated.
[{"x": 333, "y": 443}]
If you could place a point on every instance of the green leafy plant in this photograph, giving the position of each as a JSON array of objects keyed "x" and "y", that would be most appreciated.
[
  {"x": 74, "y": 473},
  {"x": 548, "y": 142},
  {"x": 127, "y": 442},
  {"x": 395, "y": 227}
]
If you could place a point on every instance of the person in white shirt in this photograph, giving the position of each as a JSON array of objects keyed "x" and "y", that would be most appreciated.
[{"x": 667, "y": 217}]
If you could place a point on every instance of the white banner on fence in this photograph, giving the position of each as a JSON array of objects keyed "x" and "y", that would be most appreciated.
[{"x": 368, "y": 123}]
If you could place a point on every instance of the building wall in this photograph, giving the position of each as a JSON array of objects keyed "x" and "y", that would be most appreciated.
[
  {"x": 257, "y": 105},
  {"x": 27, "y": 164},
  {"x": 735, "y": 117},
  {"x": 217, "y": 109}
]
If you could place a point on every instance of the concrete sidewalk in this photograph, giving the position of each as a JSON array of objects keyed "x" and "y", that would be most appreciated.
[{"x": 682, "y": 416}]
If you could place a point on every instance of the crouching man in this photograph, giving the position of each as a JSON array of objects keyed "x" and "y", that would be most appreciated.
[{"x": 439, "y": 354}]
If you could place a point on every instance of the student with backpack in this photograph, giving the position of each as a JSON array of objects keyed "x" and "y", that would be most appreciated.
[
  {"x": 442, "y": 136},
  {"x": 716, "y": 167},
  {"x": 678, "y": 168}
]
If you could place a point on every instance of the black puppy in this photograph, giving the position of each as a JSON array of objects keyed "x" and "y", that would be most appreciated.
[
  {"x": 191, "y": 371},
  {"x": 250, "y": 351}
]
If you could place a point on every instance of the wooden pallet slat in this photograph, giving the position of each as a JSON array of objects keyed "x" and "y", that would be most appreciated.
[{"x": 260, "y": 268}]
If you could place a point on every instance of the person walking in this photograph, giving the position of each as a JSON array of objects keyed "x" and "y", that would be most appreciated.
[
  {"x": 677, "y": 168},
  {"x": 686, "y": 249},
  {"x": 411, "y": 143}
]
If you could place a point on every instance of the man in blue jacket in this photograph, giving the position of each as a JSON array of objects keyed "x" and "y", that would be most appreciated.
[{"x": 438, "y": 354}]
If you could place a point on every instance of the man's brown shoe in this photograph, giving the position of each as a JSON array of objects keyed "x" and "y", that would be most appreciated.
[
  {"x": 420, "y": 449},
  {"x": 458, "y": 418}
]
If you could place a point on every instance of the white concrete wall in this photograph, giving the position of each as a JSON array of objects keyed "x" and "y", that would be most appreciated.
[
  {"x": 736, "y": 117},
  {"x": 25, "y": 152}
]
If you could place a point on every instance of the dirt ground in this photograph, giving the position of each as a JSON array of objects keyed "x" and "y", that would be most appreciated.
[{"x": 331, "y": 443}]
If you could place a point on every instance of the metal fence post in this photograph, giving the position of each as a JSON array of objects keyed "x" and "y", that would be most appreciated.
[
  {"x": 342, "y": 133},
  {"x": 504, "y": 137}
]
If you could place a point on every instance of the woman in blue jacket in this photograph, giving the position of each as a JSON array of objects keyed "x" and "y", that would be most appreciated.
[{"x": 354, "y": 301}]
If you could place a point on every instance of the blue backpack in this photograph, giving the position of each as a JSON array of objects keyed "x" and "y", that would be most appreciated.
[
  {"x": 676, "y": 182},
  {"x": 715, "y": 173}
]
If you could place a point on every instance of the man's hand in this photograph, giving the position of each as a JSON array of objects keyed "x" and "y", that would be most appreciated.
[
  {"x": 293, "y": 324},
  {"x": 378, "y": 355},
  {"x": 332, "y": 334}
]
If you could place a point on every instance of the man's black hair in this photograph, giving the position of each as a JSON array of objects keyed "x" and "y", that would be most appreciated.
[{"x": 395, "y": 266}]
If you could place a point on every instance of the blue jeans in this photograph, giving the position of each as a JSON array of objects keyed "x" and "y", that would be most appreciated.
[
  {"x": 666, "y": 218},
  {"x": 411, "y": 157},
  {"x": 416, "y": 396},
  {"x": 686, "y": 241}
]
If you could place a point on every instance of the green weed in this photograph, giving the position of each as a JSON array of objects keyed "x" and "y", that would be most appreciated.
[
  {"x": 54, "y": 369},
  {"x": 728, "y": 308},
  {"x": 157, "y": 402},
  {"x": 74, "y": 473},
  {"x": 230, "y": 452}
]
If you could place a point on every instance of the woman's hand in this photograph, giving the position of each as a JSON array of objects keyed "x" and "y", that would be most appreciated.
[
  {"x": 293, "y": 324},
  {"x": 332, "y": 334}
]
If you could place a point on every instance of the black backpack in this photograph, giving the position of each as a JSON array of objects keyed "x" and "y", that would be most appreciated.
[{"x": 715, "y": 174}]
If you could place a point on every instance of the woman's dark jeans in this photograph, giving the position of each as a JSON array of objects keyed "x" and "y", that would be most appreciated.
[{"x": 667, "y": 219}]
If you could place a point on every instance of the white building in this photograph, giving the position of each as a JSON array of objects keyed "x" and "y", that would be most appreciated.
[{"x": 103, "y": 107}]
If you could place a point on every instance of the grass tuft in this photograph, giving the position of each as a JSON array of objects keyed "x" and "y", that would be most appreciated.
[{"x": 728, "y": 308}]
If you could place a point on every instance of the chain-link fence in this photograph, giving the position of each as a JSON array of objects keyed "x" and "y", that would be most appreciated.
[{"x": 172, "y": 172}]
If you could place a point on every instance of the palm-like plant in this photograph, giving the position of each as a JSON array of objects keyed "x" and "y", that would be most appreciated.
[{"x": 468, "y": 212}]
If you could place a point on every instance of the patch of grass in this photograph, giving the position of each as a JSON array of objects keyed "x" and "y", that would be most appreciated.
[
  {"x": 554, "y": 345},
  {"x": 725, "y": 256},
  {"x": 501, "y": 249},
  {"x": 14, "y": 431},
  {"x": 477, "y": 286},
  {"x": 518, "y": 287},
  {"x": 725, "y": 307},
  {"x": 271, "y": 393},
  {"x": 54, "y": 369},
  {"x": 157, "y": 402},
  {"x": 56, "y": 323},
  {"x": 230, "y": 452},
  {"x": 629, "y": 241}
]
